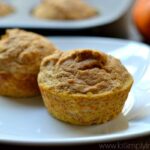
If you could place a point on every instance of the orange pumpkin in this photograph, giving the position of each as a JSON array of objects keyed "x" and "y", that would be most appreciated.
[{"x": 141, "y": 17}]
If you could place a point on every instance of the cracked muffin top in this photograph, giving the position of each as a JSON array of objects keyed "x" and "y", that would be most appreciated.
[
  {"x": 22, "y": 51},
  {"x": 64, "y": 10},
  {"x": 83, "y": 71},
  {"x": 5, "y": 9}
]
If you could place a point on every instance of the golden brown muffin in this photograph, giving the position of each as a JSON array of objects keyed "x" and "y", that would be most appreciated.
[
  {"x": 21, "y": 53},
  {"x": 5, "y": 9},
  {"x": 84, "y": 87},
  {"x": 64, "y": 10}
]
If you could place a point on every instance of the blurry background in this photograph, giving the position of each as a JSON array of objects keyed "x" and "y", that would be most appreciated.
[{"x": 121, "y": 27}]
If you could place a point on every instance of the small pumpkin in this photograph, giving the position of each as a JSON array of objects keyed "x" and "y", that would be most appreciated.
[{"x": 141, "y": 17}]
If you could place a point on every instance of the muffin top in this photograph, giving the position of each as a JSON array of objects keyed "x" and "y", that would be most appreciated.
[
  {"x": 22, "y": 51},
  {"x": 5, "y": 9},
  {"x": 82, "y": 71},
  {"x": 64, "y": 10}
]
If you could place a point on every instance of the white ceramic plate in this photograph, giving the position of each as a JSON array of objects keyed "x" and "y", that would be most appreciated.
[
  {"x": 27, "y": 121},
  {"x": 110, "y": 11}
]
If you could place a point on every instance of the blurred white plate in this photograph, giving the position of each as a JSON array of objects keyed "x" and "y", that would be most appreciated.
[
  {"x": 27, "y": 121},
  {"x": 109, "y": 11}
]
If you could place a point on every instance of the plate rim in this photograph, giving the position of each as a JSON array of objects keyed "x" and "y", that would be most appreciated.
[
  {"x": 75, "y": 141},
  {"x": 114, "y": 39}
]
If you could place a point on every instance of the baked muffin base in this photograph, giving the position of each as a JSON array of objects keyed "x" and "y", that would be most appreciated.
[
  {"x": 18, "y": 85},
  {"x": 81, "y": 109}
]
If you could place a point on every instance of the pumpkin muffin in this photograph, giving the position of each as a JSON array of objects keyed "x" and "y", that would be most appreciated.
[
  {"x": 84, "y": 87},
  {"x": 5, "y": 9},
  {"x": 64, "y": 10},
  {"x": 21, "y": 53}
]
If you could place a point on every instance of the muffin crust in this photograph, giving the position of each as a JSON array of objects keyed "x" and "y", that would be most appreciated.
[
  {"x": 21, "y": 53},
  {"x": 84, "y": 71}
]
